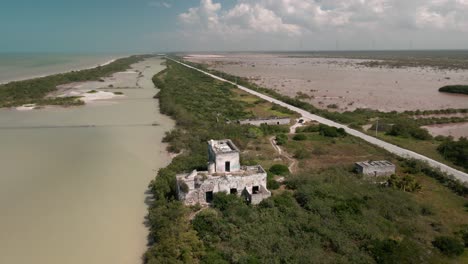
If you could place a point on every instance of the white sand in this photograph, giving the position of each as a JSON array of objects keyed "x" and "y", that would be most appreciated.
[{"x": 26, "y": 107}]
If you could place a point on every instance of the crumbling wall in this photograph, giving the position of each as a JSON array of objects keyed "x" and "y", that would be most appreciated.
[
  {"x": 268, "y": 121},
  {"x": 198, "y": 188}
]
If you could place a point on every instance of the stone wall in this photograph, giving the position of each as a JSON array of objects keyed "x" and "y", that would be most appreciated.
[
  {"x": 199, "y": 185},
  {"x": 222, "y": 158},
  {"x": 270, "y": 121}
]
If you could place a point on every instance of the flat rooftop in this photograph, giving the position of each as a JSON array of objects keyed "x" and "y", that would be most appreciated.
[
  {"x": 375, "y": 163},
  {"x": 223, "y": 146}
]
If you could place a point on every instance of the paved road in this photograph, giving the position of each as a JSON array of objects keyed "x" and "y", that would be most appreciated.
[{"x": 389, "y": 147}]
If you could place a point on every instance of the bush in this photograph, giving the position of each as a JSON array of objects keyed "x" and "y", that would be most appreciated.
[
  {"x": 300, "y": 137},
  {"x": 301, "y": 154},
  {"x": 408, "y": 129},
  {"x": 272, "y": 184},
  {"x": 455, "y": 151},
  {"x": 391, "y": 251},
  {"x": 308, "y": 129},
  {"x": 281, "y": 139},
  {"x": 279, "y": 169},
  {"x": 224, "y": 201},
  {"x": 406, "y": 183},
  {"x": 328, "y": 131},
  {"x": 449, "y": 246}
]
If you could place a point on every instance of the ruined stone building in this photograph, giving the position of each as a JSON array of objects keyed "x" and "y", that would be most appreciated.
[
  {"x": 375, "y": 168},
  {"x": 225, "y": 174}
]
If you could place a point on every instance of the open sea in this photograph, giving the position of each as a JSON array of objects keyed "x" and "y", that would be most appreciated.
[{"x": 20, "y": 66}]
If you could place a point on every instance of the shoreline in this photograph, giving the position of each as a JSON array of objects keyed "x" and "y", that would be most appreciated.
[{"x": 65, "y": 71}]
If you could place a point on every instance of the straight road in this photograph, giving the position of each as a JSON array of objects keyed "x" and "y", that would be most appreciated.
[{"x": 375, "y": 141}]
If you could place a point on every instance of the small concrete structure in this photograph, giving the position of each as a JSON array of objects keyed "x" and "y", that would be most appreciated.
[
  {"x": 267, "y": 121},
  {"x": 225, "y": 174},
  {"x": 375, "y": 168}
]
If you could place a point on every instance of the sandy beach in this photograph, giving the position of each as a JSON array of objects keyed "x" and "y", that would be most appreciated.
[{"x": 341, "y": 84}]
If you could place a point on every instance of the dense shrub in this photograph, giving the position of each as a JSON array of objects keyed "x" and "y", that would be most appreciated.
[
  {"x": 308, "y": 129},
  {"x": 449, "y": 246},
  {"x": 390, "y": 251},
  {"x": 281, "y": 139},
  {"x": 455, "y": 151},
  {"x": 405, "y": 183},
  {"x": 300, "y": 137},
  {"x": 409, "y": 129},
  {"x": 413, "y": 166},
  {"x": 279, "y": 169},
  {"x": 329, "y": 131}
]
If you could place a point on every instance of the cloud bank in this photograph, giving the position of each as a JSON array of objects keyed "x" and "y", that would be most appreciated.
[{"x": 316, "y": 24}]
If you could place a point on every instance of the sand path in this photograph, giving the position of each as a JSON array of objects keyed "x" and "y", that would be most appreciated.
[{"x": 385, "y": 145}]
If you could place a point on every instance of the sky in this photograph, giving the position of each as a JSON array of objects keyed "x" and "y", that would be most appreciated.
[{"x": 130, "y": 26}]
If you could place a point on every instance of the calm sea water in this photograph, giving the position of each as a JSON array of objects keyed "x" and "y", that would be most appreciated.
[{"x": 18, "y": 66}]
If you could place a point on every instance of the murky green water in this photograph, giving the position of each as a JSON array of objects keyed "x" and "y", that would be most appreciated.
[{"x": 73, "y": 181}]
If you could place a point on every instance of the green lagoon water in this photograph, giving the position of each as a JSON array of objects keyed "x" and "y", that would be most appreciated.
[{"x": 73, "y": 180}]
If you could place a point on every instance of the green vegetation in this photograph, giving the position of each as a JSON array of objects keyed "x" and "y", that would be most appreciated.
[
  {"x": 408, "y": 129},
  {"x": 300, "y": 137},
  {"x": 34, "y": 91},
  {"x": 455, "y": 151},
  {"x": 279, "y": 169},
  {"x": 403, "y": 129},
  {"x": 325, "y": 215},
  {"x": 118, "y": 93},
  {"x": 328, "y": 131},
  {"x": 281, "y": 139},
  {"x": 459, "y": 89},
  {"x": 406, "y": 183},
  {"x": 449, "y": 246},
  {"x": 413, "y": 166}
]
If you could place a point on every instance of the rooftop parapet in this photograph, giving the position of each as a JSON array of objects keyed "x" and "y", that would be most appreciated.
[{"x": 222, "y": 146}]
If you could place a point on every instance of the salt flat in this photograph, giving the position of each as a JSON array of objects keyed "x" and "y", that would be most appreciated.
[{"x": 345, "y": 83}]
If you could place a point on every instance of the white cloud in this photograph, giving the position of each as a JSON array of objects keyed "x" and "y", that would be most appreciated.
[
  {"x": 314, "y": 20},
  {"x": 160, "y": 4}
]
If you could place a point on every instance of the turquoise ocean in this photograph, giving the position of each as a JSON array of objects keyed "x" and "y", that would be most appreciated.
[{"x": 20, "y": 66}]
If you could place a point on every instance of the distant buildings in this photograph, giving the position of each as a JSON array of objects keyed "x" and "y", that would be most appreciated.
[
  {"x": 375, "y": 168},
  {"x": 225, "y": 174}
]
